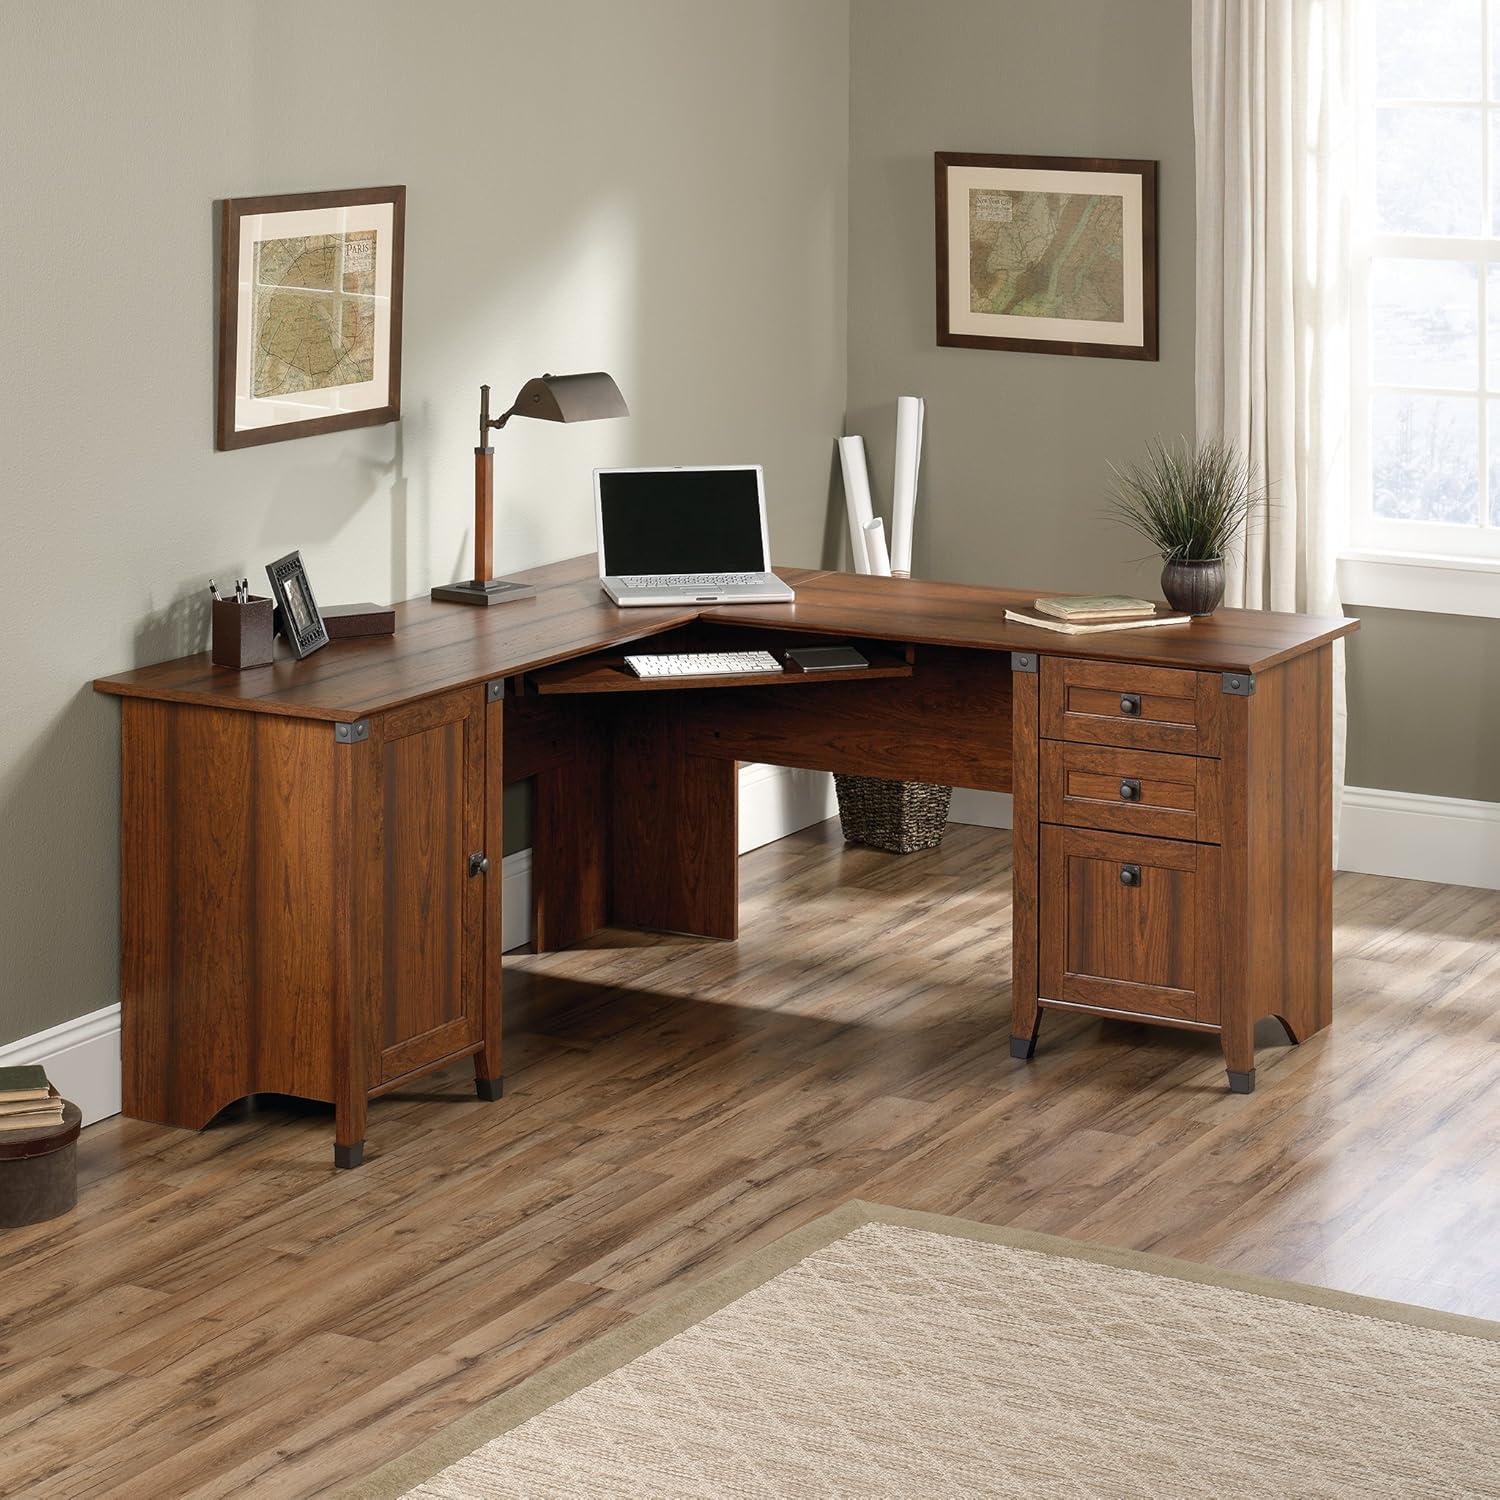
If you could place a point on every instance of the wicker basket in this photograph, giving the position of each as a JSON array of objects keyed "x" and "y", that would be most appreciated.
[{"x": 898, "y": 816}]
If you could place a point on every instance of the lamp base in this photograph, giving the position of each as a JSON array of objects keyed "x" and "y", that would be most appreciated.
[{"x": 483, "y": 591}]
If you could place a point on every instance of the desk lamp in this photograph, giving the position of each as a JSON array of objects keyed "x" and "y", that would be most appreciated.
[{"x": 552, "y": 398}]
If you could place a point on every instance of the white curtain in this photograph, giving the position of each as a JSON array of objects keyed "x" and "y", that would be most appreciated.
[{"x": 1276, "y": 123}]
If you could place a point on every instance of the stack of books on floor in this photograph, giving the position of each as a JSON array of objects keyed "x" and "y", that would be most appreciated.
[
  {"x": 1094, "y": 613},
  {"x": 27, "y": 1100}
]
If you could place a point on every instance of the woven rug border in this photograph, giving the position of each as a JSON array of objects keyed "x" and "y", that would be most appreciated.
[{"x": 618, "y": 1347}]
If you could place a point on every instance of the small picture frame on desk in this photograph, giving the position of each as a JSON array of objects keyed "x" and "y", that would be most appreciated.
[{"x": 300, "y": 620}]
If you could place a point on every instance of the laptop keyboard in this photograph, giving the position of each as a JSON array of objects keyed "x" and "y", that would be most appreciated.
[{"x": 691, "y": 580}]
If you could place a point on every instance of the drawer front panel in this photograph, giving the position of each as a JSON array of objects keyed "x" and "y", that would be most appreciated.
[
  {"x": 1130, "y": 923},
  {"x": 1141, "y": 708},
  {"x": 1130, "y": 791}
]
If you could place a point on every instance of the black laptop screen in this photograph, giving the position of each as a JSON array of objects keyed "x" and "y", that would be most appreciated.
[{"x": 681, "y": 521}]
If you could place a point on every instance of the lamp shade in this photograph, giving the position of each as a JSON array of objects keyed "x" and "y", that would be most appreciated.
[{"x": 571, "y": 398}]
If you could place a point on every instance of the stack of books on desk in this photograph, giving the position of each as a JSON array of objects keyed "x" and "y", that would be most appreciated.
[
  {"x": 27, "y": 1100},
  {"x": 1094, "y": 613}
]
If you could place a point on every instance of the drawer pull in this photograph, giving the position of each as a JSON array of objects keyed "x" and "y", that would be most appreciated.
[
  {"x": 1130, "y": 790},
  {"x": 1130, "y": 703},
  {"x": 479, "y": 864},
  {"x": 1130, "y": 874}
]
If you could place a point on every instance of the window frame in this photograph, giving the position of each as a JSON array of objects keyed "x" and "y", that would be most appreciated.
[{"x": 1373, "y": 538}]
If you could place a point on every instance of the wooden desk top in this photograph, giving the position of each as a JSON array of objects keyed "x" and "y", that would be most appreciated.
[{"x": 442, "y": 646}]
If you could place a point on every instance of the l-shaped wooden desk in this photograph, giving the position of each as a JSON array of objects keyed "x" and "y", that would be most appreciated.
[{"x": 310, "y": 882}]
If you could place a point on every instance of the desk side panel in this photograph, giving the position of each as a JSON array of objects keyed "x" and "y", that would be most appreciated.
[
  {"x": 1289, "y": 844},
  {"x": 230, "y": 908},
  {"x": 674, "y": 827}
]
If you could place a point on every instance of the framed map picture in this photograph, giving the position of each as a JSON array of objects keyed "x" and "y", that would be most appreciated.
[
  {"x": 1046, "y": 254},
  {"x": 309, "y": 314}
]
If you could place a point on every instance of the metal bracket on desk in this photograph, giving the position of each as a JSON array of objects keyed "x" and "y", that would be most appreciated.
[
  {"x": 494, "y": 691},
  {"x": 352, "y": 734},
  {"x": 1239, "y": 684},
  {"x": 1023, "y": 661}
]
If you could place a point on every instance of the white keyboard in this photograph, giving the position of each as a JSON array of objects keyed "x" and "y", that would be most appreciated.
[
  {"x": 704, "y": 664},
  {"x": 691, "y": 580}
]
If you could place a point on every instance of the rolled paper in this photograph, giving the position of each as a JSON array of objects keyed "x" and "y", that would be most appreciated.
[
  {"x": 875, "y": 549},
  {"x": 856, "y": 497},
  {"x": 909, "y": 414}
]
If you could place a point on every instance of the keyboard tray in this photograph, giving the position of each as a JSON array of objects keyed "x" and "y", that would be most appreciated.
[{"x": 607, "y": 672}]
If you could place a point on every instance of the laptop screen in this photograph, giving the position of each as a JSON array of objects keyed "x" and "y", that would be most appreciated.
[{"x": 680, "y": 521}]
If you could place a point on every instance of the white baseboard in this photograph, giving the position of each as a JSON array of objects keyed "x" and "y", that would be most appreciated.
[
  {"x": 983, "y": 809},
  {"x": 776, "y": 801},
  {"x": 82, "y": 1059},
  {"x": 1416, "y": 837},
  {"x": 515, "y": 900}
]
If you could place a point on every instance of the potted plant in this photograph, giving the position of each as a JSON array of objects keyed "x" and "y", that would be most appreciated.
[{"x": 1191, "y": 502}]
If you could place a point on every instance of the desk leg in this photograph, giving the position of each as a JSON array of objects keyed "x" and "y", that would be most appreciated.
[
  {"x": 569, "y": 868},
  {"x": 1275, "y": 908},
  {"x": 674, "y": 830},
  {"x": 1025, "y": 1014},
  {"x": 488, "y": 1079}
]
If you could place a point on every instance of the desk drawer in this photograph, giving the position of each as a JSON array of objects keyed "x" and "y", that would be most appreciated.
[
  {"x": 1130, "y": 791},
  {"x": 1130, "y": 924},
  {"x": 1140, "y": 708}
]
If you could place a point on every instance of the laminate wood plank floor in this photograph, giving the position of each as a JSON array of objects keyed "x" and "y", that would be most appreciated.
[{"x": 225, "y": 1315}]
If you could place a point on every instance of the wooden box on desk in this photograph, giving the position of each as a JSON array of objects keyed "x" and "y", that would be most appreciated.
[{"x": 347, "y": 621}]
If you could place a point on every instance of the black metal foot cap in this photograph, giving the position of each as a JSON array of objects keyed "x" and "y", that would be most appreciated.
[
  {"x": 1023, "y": 1047},
  {"x": 490, "y": 1088},
  {"x": 348, "y": 1156},
  {"x": 1241, "y": 1083}
]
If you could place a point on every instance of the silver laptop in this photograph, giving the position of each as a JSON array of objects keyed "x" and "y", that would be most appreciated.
[{"x": 685, "y": 535}]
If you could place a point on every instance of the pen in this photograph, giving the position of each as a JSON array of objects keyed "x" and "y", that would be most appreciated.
[{"x": 213, "y": 592}]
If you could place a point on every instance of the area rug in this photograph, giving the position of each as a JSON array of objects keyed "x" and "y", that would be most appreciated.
[{"x": 879, "y": 1352}]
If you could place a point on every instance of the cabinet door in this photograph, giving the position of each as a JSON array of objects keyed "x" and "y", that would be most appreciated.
[
  {"x": 432, "y": 909},
  {"x": 1130, "y": 923}
]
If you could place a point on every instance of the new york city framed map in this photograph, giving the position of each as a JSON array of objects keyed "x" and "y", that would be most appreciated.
[
  {"x": 1046, "y": 254},
  {"x": 309, "y": 335}
]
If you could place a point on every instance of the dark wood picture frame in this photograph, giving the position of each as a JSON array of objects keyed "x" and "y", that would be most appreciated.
[
  {"x": 1145, "y": 170},
  {"x": 297, "y": 614},
  {"x": 231, "y": 212}
]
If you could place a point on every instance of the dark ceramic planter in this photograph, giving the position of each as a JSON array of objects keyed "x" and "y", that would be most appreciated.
[{"x": 1194, "y": 588}]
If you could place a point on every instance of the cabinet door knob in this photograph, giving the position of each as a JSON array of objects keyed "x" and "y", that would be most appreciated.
[
  {"x": 1130, "y": 790},
  {"x": 1130, "y": 874},
  {"x": 479, "y": 864},
  {"x": 1130, "y": 703}
]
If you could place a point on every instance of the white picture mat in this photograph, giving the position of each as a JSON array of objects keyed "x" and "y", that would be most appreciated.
[
  {"x": 1126, "y": 185},
  {"x": 258, "y": 411}
]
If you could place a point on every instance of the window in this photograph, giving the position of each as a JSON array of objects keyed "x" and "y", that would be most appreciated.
[{"x": 1430, "y": 466}]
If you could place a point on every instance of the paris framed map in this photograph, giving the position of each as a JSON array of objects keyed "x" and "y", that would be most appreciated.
[
  {"x": 1046, "y": 254},
  {"x": 309, "y": 335}
]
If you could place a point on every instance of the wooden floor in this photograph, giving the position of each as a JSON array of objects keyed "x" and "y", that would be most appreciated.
[{"x": 225, "y": 1315}]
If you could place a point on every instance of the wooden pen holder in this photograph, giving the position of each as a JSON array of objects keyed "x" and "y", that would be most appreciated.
[{"x": 242, "y": 633}]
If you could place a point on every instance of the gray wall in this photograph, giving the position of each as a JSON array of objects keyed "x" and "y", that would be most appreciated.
[
  {"x": 1017, "y": 445},
  {"x": 1424, "y": 703},
  {"x": 657, "y": 188}
]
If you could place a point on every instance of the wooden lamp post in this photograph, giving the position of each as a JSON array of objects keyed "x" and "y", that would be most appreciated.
[{"x": 550, "y": 398}]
